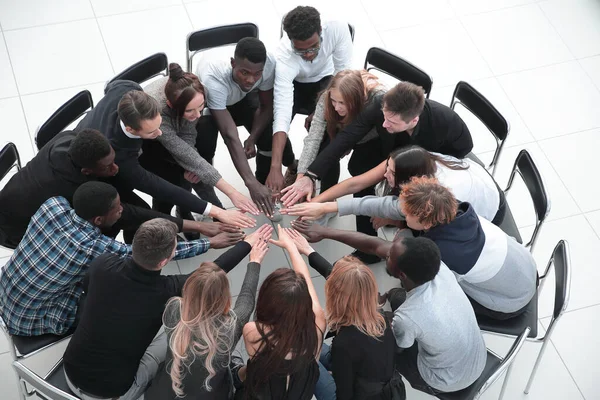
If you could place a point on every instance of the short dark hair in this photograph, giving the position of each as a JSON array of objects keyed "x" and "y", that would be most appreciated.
[
  {"x": 88, "y": 147},
  {"x": 406, "y": 99},
  {"x": 94, "y": 199},
  {"x": 302, "y": 22},
  {"x": 420, "y": 261},
  {"x": 154, "y": 242},
  {"x": 136, "y": 106},
  {"x": 251, "y": 49}
]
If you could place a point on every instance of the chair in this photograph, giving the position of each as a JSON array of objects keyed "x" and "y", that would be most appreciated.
[
  {"x": 560, "y": 259},
  {"x": 384, "y": 61},
  {"x": 528, "y": 171},
  {"x": 495, "y": 366},
  {"x": 51, "y": 387},
  {"x": 74, "y": 108},
  {"x": 23, "y": 347},
  {"x": 216, "y": 37},
  {"x": 9, "y": 158},
  {"x": 467, "y": 96},
  {"x": 154, "y": 65}
]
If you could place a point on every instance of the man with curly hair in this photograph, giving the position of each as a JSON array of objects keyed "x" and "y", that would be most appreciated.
[{"x": 306, "y": 60}]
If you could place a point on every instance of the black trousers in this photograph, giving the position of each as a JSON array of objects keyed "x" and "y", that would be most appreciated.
[{"x": 242, "y": 113}]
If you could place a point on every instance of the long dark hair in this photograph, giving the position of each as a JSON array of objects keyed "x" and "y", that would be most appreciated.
[
  {"x": 286, "y": 323},
  {"x": 181, "y": 88}
]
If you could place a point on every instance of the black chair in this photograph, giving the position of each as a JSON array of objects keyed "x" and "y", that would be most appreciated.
[
  {"x": 560, "y": 259},
  {"x": 528, "y": 171},
  {"x": 154, "y": 65},
  {"x": 9, "y": 158},
  {"x": 390, "y": 64},
  {"x": 495, "y": 366},
  {"x": 53, "y": 386},
  {"x": 216, "y": 37},
  {"x": 74, "y": 108},
  {"x": 467, "y": 96}
]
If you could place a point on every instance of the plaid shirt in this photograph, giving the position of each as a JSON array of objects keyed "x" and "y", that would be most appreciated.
[{"x": 41, "y": 284}]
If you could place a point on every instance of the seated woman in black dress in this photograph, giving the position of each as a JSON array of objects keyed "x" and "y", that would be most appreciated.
[{"x": 285, "y": 340}]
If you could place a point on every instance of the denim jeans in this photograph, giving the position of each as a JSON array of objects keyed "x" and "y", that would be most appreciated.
[{"x": 325, "y": 388}]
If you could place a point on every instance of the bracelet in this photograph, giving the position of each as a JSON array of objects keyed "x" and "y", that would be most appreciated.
[{"x": 312, "y": 177}]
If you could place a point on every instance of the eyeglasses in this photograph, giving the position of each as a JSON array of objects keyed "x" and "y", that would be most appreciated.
[{"x": 312, "y": 50}]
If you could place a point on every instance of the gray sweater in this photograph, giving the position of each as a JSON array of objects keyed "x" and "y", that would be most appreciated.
[
  {"x": 373, "y": 206},
  {"x": 179, "y": 137}
]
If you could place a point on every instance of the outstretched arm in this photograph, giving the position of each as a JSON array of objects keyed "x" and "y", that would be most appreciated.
[{"x": 353, "y": 185}]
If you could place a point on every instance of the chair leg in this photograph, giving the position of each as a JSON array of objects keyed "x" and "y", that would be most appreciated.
[
  {"x": 505, "y": 383},
  {"x": 23, "y": 394},
  {"x": 537, "y": 364}
]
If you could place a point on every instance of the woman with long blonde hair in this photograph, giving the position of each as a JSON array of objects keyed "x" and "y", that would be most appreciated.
[{"x": 203, "y": 329}]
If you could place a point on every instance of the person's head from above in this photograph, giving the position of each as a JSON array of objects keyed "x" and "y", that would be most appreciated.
[
  {"x": 286, "y": 323},
  {"x": 185, "y": 93},
  {"x": 402, "y": 106},
  {"x": 344, "y": 307},
  {"x": 345, "y": 97},
  {"x": 154, "y": 244},
  {"x": 99, "y": 203},
  {"x": 414, "y": 261},
  {"x": 426, "y": 203},
  {"x": 204, "y": 310},
  {"x": 91, "y": 151},
  {"x": 248, "y": 62},
  {"x": 303, "y": 27},
  {"x": 140, "y": 114}
]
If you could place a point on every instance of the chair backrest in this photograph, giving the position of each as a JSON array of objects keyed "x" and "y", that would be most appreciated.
[
  {"x": 506, "y": 361},
  {"x": 384, "y": 61},
  {"x": 530, "y": 174},
  {"x": 478, "y": 105},
  {"x": 154, "y": 65},
  {"x": 74, "y": 108},
  {"x": 560, "y": 259},
  {"x": 9, "y": 157},
  {"x": 216, "y": 37},
  {"x": 39, "y": 386}
]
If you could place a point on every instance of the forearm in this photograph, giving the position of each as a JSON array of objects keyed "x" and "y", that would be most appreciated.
[
  {"x": 343, "y": 188},
  {"x": 359, "y": 241},
  {"x": 320, "y": 264},
  {"x": 232, "y": 257},
  {"x": 240, "y": 161},
  {"x": 226, "y": 188},
  {"x": 262, "y": 118},
  {"x": 373, "y": 206},
  {"x": 300, "y": 267},
  {"x": 279, "y": 140}
]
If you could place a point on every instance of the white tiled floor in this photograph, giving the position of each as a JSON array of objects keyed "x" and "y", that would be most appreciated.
[{"x": 537, "y": 61}]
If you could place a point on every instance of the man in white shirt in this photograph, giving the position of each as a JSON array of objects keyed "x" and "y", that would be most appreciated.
[
  {"x": 239, "y": 92},
  {"x": 307, "y": 57}
]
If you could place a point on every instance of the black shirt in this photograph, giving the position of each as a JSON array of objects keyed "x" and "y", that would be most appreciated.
[
  {"x": 439, "y": 129},
  {"x": 122, "y": 314},
  {"x": 132, "y": 175},
  {"x": 52, "y": 173}
]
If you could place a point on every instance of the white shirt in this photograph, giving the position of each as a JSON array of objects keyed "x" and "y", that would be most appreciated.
[
  {"x": 474, "y": 185},
  {"x": 221, "y": 89},
  {"x": 335, "y": 55}
]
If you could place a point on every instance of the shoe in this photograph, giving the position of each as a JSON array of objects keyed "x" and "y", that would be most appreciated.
[
  {"x": 290, "y": 174},
  {"x": 366, "y": 258},
  {"x": 189, "y": 236}
]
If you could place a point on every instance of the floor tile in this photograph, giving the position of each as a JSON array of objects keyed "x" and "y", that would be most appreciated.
[
  {"x": 80, "y": 43},
  {"x": 561, "y": 202},
  {"x": 575, "y": 338},
  {"x": 539, "y": 96},
  {"x": 482, "y": 139},
  {"x": 434, "y": 10},
  {"x": 466, "y": 7},
  {"x": 570, "y": 164},
  {"x": 592, "y": 67},
  {"x": 11, "y": 113},
  {"x": 529, "y": 41},
  {"x": 8, "y": 378},
  {"x": 594, "y": 220},
  {"x": 29, "y": 13},
  {"x": 170, "y": 38},
  {"x": 103, "y": 8},
  {"x": 583, "y": 243},
  {"x": 40, "y": 106},
  {"x": 550, "y": 371},
  {"x": 171, "y": 268},
  {"x": 577, "y": 24},
  {"x": 444, "y": 50},
  {"x": 8, "y": 87}
]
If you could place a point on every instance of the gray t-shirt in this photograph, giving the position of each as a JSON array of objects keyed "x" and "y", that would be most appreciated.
[
  {"x": 438, "y": 316},
  {"x": 221, "y": 89}
]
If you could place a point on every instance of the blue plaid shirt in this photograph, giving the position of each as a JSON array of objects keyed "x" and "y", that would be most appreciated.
[{"x": 41, "y": 284}]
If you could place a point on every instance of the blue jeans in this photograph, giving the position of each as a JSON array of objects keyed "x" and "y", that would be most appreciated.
[{"x": 325, "y": 389}]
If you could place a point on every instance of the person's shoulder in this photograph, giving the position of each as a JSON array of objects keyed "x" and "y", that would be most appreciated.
[
  {"x": 156, "y": 89},
  {"x": 270, "y": 65},
  {"x": 53, "y": 206},
  {"x": 120, "y": 87}
]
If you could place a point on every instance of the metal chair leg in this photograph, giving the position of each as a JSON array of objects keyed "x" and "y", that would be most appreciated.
[
  {"x": 536, "y": 365},
  {"x": 505, "y": 383}
]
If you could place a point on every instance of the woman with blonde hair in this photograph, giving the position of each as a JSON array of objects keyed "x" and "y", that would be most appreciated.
[{"x": 203, "y": 329}]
